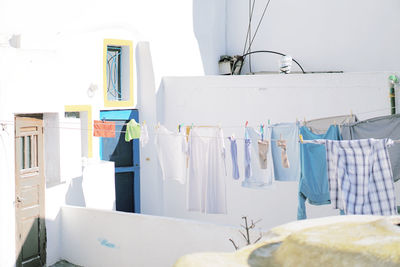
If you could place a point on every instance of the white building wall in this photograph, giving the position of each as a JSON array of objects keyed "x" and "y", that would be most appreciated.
[
  {"x": 61, "y": 56},
  {"x": 231, "y": 101},
  {"x": 183, "y": 41},
  {"x": 7, "y": 222},
  {"x": 37, "y": 81},
  {"x": 338, "y": 35},
  {"x": 105, "y": 238},
  {"x": 94, "y": 189}
]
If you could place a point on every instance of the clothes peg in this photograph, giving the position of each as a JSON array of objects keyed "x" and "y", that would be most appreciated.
[
  {"x": 301, "y": 138},
  {"x": 304, "y": 121},
  {"x": 246, "y": 134},
  {"x": 262, "y": 132}
]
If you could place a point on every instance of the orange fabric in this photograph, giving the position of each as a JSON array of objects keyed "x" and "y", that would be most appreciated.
[{"x": 104, "y": 128}]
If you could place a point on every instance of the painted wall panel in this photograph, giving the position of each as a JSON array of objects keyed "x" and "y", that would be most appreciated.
[
  {"x": 321, "y": 35},
  {"x": 231, "y": 101},
  {"x": 105, "y": 238}
]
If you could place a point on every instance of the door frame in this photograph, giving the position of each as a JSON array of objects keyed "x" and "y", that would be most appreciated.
[
  {"x": 30, "y": 120},
  {"x": 126, "y": 114}
]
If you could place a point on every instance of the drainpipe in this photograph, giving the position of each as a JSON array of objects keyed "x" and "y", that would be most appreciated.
[{"x": 393, "y": 79}]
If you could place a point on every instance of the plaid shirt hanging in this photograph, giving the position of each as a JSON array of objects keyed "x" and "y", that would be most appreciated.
[{"x": 360, "y": 176}]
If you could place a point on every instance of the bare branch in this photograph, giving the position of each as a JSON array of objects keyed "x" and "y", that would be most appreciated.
[
  {"x": 259, "y": 220},
  {"x": 258, "y": 239},
  {"x": 244, "y": 236},
  {"x": 247, "y": 227},
  {"x": 233, "y": 243}
]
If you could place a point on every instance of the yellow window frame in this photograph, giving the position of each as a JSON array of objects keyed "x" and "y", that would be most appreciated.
[{"x": 116, "y": 42}]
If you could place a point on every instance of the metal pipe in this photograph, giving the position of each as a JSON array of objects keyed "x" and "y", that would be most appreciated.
[{"x": 393, "y": 79}]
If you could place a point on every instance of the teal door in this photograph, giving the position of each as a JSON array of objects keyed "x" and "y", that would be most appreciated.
[{"x": 126, "y": 158}]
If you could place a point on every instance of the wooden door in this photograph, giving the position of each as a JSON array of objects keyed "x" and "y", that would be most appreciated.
[{"x": 29, "y": 192}]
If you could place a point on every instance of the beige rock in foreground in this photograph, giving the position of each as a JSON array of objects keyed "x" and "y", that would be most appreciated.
[{"x": 332, "y": 241}]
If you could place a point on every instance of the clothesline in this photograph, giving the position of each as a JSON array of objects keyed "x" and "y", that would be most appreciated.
[
  {"x": 315, "y": 141},
  {"x": 176, "y": 133},
  {"x": 3, "y": 124},
  {"x": 184, "y": 125},
  {"x": 120, "y": 123},
  {"x": 152, "y": 133}
]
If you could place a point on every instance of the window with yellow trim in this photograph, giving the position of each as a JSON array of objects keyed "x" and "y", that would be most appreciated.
[{"x": 118, "y": 73}]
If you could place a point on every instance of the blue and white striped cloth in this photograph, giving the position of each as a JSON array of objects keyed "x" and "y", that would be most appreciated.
[{"x": 360, "y": 176}]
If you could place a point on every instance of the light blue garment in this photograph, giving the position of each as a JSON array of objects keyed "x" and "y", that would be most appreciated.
[
  {"x": 247, "y": 156},
  {"x": 290, "y": 133},
  {"x": 260, "y": 178},
  {"x": 314, "y": 184},
  {"x": 235, "y": 167}
]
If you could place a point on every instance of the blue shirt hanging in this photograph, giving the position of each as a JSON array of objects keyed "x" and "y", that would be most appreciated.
[
  {"x": 313, "y": 184},
  {"x": 290, "y": 133}
]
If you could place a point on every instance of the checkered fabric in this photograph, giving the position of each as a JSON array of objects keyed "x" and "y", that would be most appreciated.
[{"x": 360, "y": 176}]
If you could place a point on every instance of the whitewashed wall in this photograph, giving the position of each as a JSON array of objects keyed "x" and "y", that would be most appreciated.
[
  {"x": 105, "y": 238},
  {"x": 43, "y": 81},
  {"x": 58, "y": 61},
  {"x": 358, "y": 35},
  {"x": 231, "y": 101},
  {"x": 95, "y": 188},
  {"x": 183, "y": 41},
  {"x": 7, "y": 223}
]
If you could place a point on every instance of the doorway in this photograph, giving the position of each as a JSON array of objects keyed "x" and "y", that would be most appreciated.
[
  {"x": 29, "y": 191},
  {"x": 126, "y": 158}
]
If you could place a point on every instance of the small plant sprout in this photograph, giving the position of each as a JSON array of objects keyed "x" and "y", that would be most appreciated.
[{"x": 246, "y": 235}]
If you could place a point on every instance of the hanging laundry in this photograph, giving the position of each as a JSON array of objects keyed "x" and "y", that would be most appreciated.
[
  {"x": 290, "y": 133},
  {"x": 171, "y": 151},
  {"x": 263, "y": 147},
  {"x": 284, "y": 157},
  {"x": 144, "y": 135},
  {"x": 380, "y": 127},
  {"x": 360, "y": 176},
  {"x": 207, "y": 170},
  {"x": 104, "y": 128},
  {"x": 132, "y": 130},
  {"x": 321, "y": 126},
  {"x": 247, "y": 155},
  {"x": 260, "y": 178},
  {"x": 313, "y": 184},
  {"x": 235, "y": 167}
]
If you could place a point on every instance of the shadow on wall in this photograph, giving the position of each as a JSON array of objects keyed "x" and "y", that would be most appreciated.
[
  {"x": 34, "y": 246},
  {"x": 32, "y": 250},
  {"x": 160, "y": 100},
  {"x": 41, "y": 246},
  {"x": 75, "y": 195},
  {"x": 209, "y": 29}
]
